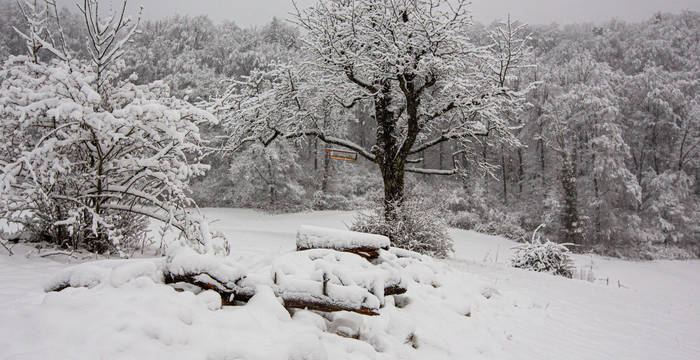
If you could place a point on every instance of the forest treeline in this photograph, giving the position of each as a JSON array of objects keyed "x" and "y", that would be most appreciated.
[{"x": 608, "y": 150}]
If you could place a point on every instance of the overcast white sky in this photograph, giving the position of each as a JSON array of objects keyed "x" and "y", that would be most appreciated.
[{"x": 258, "y": 12}]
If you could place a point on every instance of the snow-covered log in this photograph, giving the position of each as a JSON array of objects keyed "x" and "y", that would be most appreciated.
[
  {"x": 112, "y": 273},
  {"x": 362, "y": 244},
  {"x": 236, "y": 294},
  {"x": 319, "y": 279}
]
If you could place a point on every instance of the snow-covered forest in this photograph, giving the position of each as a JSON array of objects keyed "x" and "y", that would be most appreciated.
[
  {"x": 377, "y": 179},
  {"x": 602, "y": 147},
  {"x": 603, "y": 150}
]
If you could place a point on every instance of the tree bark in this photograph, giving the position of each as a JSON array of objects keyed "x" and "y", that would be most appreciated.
[
  {"x": 391, "y": 161},
  {"x": 393, "y": 176}
]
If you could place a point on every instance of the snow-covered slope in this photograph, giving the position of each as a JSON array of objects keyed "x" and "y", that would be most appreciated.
[{"x": 637, "y": 311}]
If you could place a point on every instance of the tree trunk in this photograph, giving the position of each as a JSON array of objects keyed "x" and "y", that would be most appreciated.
[
  {"x": 392, "y": 153},
  {"x": 316, "y": 154},
  {"x": 598, "y": 215},
  {"x": 393, "y": 177},
  {"x": 272, "y": 182},
  {"x": 442, "y": 155},
  {"x": 571, "y": 224},
  {"x": 326, "y": 173},
  {"x": 391, "y": 161},
  {"x": 521, "y": 172},
  {"x": 655, "y": 152},
  {"x": 484, "y": 156},
  {"x": 543, "y": 164},
  {"x": 504, "y": 177}
]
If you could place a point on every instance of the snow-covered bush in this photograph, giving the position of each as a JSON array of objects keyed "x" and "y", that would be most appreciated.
[
  {"x": 360, "y": 182},
  {"x": 87, "y": 158},
  {"x": 329, "y": 201},
  {"x": 457, "y": 204},
  {"x": 419, "y": 226},
  {"x": 498, "y": 222},
  {"x": 350, "y": 186},
  {"x": 78, "y": 160},
  {"x": 474, "y": 211},
  {"x": 464, "y": 220},
  {"x": 543, "y": 256}
]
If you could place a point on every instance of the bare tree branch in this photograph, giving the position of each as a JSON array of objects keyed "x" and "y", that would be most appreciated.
[
  {"x": 432, "y": 171},
  {"x": 449, "y": 136},
  {"x": 333, "y": 140}
]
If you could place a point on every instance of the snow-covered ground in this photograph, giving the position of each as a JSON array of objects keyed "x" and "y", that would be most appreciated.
[{"x": 635, "y": 310}]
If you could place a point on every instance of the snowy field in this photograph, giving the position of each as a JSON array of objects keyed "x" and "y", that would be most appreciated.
[{"x": 472, "y": 306}]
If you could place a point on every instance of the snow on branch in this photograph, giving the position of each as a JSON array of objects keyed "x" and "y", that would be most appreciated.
[
  {"x": 414, "y": 64},
  {"x": 335, "y": 141},
  {"x": 107, "y": 37},
  {"x": 449, "y": 135},
  {"x": 432, "y": 171}
]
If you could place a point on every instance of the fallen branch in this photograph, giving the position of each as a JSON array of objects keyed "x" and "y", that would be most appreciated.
[
  {"x": 59, "y": 252},
  {"x": 325, "y": 307},
  {"x": 229, "y": 295}
]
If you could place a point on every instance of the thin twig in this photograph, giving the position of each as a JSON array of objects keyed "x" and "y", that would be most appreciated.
[
  {"x": 9, "y": 250},
  {"x": 58, "y": 252}
]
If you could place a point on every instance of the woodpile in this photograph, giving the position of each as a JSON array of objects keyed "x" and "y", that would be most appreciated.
[{"x": 332, "y": 270}]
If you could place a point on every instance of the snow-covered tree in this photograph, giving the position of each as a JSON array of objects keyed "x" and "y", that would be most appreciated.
[
  {"x": 268, "y": 177},
  {"x": 89, "y": 158},
  {"x": 577, "y": 103},
  {"x": 36, "y": 17},
  {"x": 413, "y": 61},
  {"x": 670, "y": 209}
]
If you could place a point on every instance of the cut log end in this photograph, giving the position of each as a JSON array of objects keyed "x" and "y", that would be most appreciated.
[{"x": 394, "y": 290}]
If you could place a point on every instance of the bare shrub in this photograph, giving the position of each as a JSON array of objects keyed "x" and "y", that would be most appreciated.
[{"x": 418, "y": 226}]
